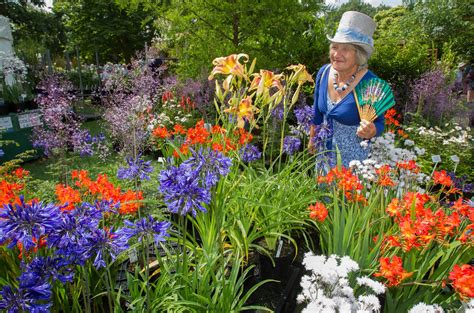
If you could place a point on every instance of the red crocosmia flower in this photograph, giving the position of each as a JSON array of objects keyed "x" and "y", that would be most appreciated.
[
  {"x": 184, "y": 150},
  {"x": 462, "y": 278},
  {"x": 390, "y": 118},
  {"x": 384, "y": 176},
  {"x": 402, "y": 133},
  {"x": 161, "y": 132},
  {"x": 129, "y": 202},
  {"x": 393, "y": 208},
  {"x": 392, "y": 270},
  {"x": 442, "y": 178},
  {"x": 66, "y": 194},
  {"x": 244, "y": 136},
  {"x": 318, "y": 212}
]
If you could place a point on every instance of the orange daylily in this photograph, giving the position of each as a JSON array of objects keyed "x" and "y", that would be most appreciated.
[
  {"x": 229, "y": 65},
  {"x": 244, "y": 111},
  {"x": 300, "y": 74},
  {"x": 266, "y": 80}
]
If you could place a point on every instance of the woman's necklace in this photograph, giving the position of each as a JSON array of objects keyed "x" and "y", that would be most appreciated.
[{"x": 346, "y": 84}]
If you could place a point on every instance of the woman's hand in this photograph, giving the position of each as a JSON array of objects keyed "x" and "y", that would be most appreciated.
[{"x": 366, "y": 129}]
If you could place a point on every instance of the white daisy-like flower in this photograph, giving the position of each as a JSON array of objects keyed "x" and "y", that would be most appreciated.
[
  {"x": 377, "y": 287},
  {"x": 425, "y": 308}
]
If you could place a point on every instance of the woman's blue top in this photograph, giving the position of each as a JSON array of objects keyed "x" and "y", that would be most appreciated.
[{"x": 342, "y": 117}]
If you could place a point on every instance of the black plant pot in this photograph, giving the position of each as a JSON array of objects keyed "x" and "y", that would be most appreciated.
[{"x": 279, "y": 269}]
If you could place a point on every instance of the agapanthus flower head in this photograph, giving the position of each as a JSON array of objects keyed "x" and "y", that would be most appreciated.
[
  {"x": 183, "y": 191},
  {"x": 208, "y": 164},
  {"x": 46, "y": 269},
  {"x": 323, "y": 132},
  {"x": 102, "y": 242},
  {"x": 35, "y": 299},
  {"x": 291, "y": 144},
  {"x": 26, "y": 223},
  {"x": 304, "y": 115},
  {"x": 146, "y": 227},
  {"x": 137, "y": 168},
  {"x": 250, "y": 153}
]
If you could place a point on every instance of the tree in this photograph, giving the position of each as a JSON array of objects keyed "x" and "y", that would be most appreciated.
[
  {"x": 277, "y": 33},
  {"x": 103, "y": 27}
]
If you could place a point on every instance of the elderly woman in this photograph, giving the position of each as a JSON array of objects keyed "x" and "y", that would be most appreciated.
[{"x": 335, "y": 110}]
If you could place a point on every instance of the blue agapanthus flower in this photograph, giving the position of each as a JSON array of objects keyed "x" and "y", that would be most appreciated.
[
  {"x": 291, "y": 144},
  {"x": 183, "y": 191},
  {"x": 250, "y": 153},
  {"x": 2, "y": 153},
  {"x": 146, "y": 227},
  {"x": 209, "y": 164},
  {"x": 304, "y": 115},
  {"x": 26, "y": 223},
  {"x": 323, "y": 133},
  {"x": 45, "y": 269},
  {"x": 34, "y": 299},
  {"x": 101, "y": 242},
  {"x": 136, "y": 168}
]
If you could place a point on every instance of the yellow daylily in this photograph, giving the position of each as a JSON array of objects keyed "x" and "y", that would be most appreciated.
[
  {"x": 266, "y": 80},
  {"x": 229, "y": 65},
  {"x": 244, "y": 111},
  {"x": 300, "y": 74}
]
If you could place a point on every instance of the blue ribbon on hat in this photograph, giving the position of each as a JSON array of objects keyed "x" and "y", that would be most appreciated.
[{"x": 357, "y": 36}]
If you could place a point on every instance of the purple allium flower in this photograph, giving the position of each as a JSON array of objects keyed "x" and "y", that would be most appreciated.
[
  {"x": 291, "y": 144},
  {"x": 304, "y": 114},
  {"x": 138, "y": 168},
  {"x": 26, "y": 300},
  {"x": 209, "y": 165},
  {"x": 146, "y": 227},
  {"x": 102, "y": 242},
  {"x": 25, "y": 223},
  {"x": 183, "y": 191},
  {"x": 250, "y": 153}
]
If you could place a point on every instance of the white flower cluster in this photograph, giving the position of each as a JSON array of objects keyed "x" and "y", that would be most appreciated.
[
  {"x": 12, "y": 65},
  {"x": 426, "y": 308},
  {"x": 454, "y": 134},
  {"x": 171, "y": 114},
  {"x": 327, "y": 288},
  {"x": 384, "y": 152}
]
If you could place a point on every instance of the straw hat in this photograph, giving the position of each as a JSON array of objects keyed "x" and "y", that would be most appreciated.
[{"x": 356, "y": 28}]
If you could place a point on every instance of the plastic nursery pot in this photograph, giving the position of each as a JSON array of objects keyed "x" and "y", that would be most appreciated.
[{"x": 279, "y": 269}]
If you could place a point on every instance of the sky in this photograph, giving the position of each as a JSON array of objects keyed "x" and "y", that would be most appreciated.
[{"x": 375, "y": 3}]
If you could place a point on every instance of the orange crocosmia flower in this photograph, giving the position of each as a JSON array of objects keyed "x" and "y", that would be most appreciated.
[
  {"x": 442, "y": 178},
  {"x": 9, "y": 192},
  {"x": 392, "y": 270},
  {"x": 130, "y": 202},
  {"x": 217, "y": 147},
  {"x": 183, "y": 150},
  {"x": 467, "y": 236},
  {"x": 402, "y": 133},
  {"x": 216, "y": 129},
  {"x": 178, "y": 129},
  {"x": 462, "y": 278},
  {"x": 318, "y": 212},
  {"x": 66, "y": 194},
  {"x": 229, "y": 145},
  {"x": 244, "y": 136},
  {"x": 394, "y": 208},
  {"x": 463, "y": 208},
  {"x": 390, "y": 117},
  {"x": 384, "y": 176},
  {"x": 409, "y": 165},
  {"x": 21, "y": 173},
  {"x": 198, "y": 134},
  {"x": 161, "y": 132}
]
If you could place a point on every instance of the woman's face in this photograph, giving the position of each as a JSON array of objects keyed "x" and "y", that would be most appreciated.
[{"x": 343, "y": 56}]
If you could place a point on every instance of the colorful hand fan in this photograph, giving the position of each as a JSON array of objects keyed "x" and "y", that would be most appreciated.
[{"x": 373, "y": 97}]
